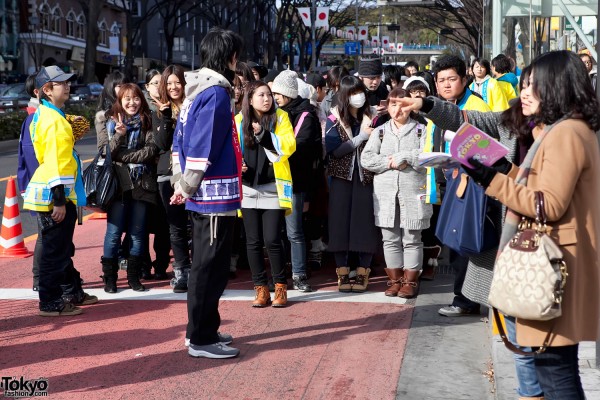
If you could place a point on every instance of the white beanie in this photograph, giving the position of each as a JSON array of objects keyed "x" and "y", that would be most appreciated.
[{"x": 286, "y": 83}]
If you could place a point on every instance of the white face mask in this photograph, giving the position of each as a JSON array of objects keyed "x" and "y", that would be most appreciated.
[{"x": 357, "y": 100}]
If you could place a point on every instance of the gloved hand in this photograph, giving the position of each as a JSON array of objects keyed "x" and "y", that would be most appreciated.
[
  {"x": 481, "y": 174},
  {"x": 502, "y": 165}
]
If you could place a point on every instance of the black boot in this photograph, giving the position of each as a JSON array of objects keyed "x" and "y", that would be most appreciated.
[
  {"x": 110, "y": 268},
  {"x": 133, "y": 273}
]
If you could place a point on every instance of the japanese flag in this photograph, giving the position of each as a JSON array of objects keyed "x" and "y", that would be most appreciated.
[
  {"x": 322, "y": 17},
  {"x": 385, "y": 41},
  {"x": 375, "y": 40},
  {"x": 399, "y": 47},
  {"x": 363, "y": 33},
  {"x": 392, "y": 47},
  {"x": 350, "y": 32},
  {"x": 305, "y": 15}
]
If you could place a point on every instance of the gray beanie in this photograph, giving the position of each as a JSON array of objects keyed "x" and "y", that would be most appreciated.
[
  {"x": 286, "y": 83},
  {"x": 370, "y": 67}
]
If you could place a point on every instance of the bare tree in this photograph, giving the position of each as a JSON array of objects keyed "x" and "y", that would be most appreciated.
[
  {"x": 460, "y": 21},
  {"x": 91, "y": 10}
]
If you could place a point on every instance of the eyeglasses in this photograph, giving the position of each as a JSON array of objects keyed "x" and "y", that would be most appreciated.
[
  {"x": 153, "y": 83},
  {"x": 65, "y": 83},
  {"x": 241, "y": 87},
  {"x": 451, "y": 79},
  {"x": 418, "y": 93}
]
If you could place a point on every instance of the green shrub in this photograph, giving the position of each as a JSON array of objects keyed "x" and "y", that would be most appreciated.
[{"x": 10, "y": 122}]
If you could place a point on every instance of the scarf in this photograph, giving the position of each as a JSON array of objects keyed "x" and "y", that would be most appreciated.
[
  {"x": 511, "y": 222},
  {"x": 134, "y": 142}
]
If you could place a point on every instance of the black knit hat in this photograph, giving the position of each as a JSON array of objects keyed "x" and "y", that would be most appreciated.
[{"x": 370, "y": 67}]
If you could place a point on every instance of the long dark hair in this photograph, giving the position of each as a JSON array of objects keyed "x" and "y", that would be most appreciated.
[
  {"x": 144, "y": 111},
  {"x": 350, "y": 85},
  {"x": 267, "y": 120},
  {"x": 162, "y": 87},
  {"x": 564, "y": 88},
  {"x": 335, "y": 75},
  {"x": 519, "y": 125},
  {"x": 107, "y": 96}
]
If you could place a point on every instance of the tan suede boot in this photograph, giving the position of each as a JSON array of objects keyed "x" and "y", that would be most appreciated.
[
  {"x": 410, "y": 284},
  {"x": 362, "y": 280},
  {"x": 262, "y": 297},
  {"x": 395, "y": 283},
  {"x": 280, "y": 299},
  {"x": 343, "y": 279}
]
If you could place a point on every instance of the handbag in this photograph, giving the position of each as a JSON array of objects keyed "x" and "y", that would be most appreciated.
[
  {"x": 530, "y": 274},
  {"x": 463, "y": 224},
  {"x": 100, "y": 182}
]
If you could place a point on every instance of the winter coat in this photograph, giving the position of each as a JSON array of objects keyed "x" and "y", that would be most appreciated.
[
  {"x": 491, "y": 92},
  {"x": 205, "y": 145},
  {"x": 375, "y": 96},
  {"x": 566, "y": 169},
  {"x": 273, "y": 149},
  {"x": 305, "y": 160},
  {"x": 404, "y": 187},
  {"x": 164, "y": 128}
]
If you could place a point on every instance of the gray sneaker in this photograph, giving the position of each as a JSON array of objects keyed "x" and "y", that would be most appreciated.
[
  {"x": 224, "y": 338},
  {"x": 454, "y": 311},
  {"x": 215, "y": 350}
]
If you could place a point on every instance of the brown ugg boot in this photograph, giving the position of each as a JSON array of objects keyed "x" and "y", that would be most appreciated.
[
  {"x": 410, "y": 284},
  {"x": 262, "y": 296},
  {"x": 280, "y": 295},
  {"x": 343, "y": 279},
  {"x": 362, "y": 279},
  {"x": 395, "y": 283}
]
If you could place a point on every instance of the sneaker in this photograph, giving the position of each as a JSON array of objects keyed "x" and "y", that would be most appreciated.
[
  {"x": 215, "y": 350},
  {"x": 180, "y": 286},
  {"x": 86, "y": 300},
  {"x": 224, "y": 338},
  {"x": 454, "y": 311},
  {"x": 68, "y": 310},
  {"x": 301, "y": 284}
]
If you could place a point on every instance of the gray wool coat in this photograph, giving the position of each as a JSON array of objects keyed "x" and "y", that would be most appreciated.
[
  {"x": 480, "y": 270},
  {"x": 405, "y": 187}
]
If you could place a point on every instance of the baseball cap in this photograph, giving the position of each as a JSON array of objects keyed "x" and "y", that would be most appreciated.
[{"x": 52, "y": 73}]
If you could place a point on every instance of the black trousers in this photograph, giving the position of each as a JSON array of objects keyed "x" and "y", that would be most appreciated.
[
  {"x": 264, "y": 229},
  {"x": 177, "y": 218},
  {"x": 55, "y": 264},
  {"x": 208, "y": 276},
  {"x": 460, "y": 264}
]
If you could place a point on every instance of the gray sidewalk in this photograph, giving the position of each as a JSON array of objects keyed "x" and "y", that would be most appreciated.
[{"x": 459, "y": 359}]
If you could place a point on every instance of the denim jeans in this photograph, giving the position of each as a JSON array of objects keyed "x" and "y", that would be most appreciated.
[
  {"x": 558, "y": 372},
  {"x": 127, "y": 215},
  {"x": 525, "y": 366},
  {"x": 295, "y": 234}
]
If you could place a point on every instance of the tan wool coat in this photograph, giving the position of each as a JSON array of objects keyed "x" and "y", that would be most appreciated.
[{"x": 566, "y": 168}]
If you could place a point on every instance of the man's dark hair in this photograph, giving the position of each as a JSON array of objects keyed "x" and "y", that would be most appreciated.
[
  {"x": 393, "y": 72},
  {"x": 411, "y": 63},
  {"x": 563, "y": 86},
  {"x": 450, "y": 62},
  {"x": 502, "y": 64},
  {"x": 484, "y": 63},
  {"x": 218, "y": 47},
  {"x": 30, "y": 85}
]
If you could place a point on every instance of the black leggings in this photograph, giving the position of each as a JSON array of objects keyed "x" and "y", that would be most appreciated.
[{"x": 264, "y": 228}]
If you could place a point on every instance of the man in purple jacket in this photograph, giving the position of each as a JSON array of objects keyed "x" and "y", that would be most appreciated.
[{"x": 207, "y": 148}]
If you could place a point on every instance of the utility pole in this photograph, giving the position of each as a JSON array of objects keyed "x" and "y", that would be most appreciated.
[{"x": 313, "y": 29}]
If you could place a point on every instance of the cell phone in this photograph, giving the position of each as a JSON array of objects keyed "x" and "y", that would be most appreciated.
[{"x": 383, "y": 103}]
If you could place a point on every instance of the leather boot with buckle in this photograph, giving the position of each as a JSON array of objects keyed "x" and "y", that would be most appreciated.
[
  {"x": 262, "y": 296},
  {"x": 396, "y": 276},
  {"x": 410, "y": 284},
  {"x": 343, "y": 274},
  {"x": 280, "y": 299},
  {"x": 362, "y": 280}
]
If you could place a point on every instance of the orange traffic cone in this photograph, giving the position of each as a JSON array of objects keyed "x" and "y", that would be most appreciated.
[{"x": 11, "y": 235}]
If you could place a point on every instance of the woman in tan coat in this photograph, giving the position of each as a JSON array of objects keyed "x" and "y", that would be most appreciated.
[{"x": 565, "y": 167}]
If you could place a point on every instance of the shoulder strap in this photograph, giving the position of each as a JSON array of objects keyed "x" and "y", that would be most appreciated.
[
  {"x": 299, "y": 124},
  {"x": 514, "y": 348}
]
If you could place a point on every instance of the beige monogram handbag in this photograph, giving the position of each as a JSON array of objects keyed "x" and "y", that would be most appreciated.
[{"x": 530, "y": 274}]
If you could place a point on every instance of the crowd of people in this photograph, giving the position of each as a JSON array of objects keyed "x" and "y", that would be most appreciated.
[{"x": 233, "y": 159}]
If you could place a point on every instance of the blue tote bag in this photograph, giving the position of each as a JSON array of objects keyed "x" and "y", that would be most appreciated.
[{"x": 463, "y": 224}]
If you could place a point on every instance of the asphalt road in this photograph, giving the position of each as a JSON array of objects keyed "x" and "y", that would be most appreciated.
[{"x": 86, "y": 147}]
